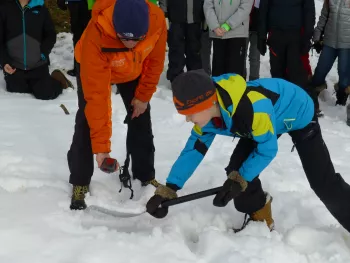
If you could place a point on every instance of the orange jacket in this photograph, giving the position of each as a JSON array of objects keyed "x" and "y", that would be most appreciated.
[{"x": 104, "y": 60}]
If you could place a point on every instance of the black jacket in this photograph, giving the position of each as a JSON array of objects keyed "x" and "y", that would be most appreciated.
[
  {"x": 254, "y": 19},
  {"x": 179, "y": 12},
  {"x": 27, "y": 35},
  {"x": 286, "y": 15}
]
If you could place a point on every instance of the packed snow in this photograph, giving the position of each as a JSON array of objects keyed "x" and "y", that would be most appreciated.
[{"x": 37, "y": 226}]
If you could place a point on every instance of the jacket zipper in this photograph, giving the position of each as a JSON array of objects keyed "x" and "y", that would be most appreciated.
[{"x": 23, "y": 10}]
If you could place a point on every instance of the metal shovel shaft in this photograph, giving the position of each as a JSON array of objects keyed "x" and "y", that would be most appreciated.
[{"x": 191, "y": 197}]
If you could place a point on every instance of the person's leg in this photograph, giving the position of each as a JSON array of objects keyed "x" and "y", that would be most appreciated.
[
  {"x": 344, "y": 76},
  {"x": 297, "y": 73},
  {"x": 254, "y": 56},
  {"x": 80, "y": 156},
  {"x": 324, "y": 65},
  {"x": 17, "y": 82},
  {"x": 44, "y": 87},
  {"x": 219, "y": 56},
  {"x": 139, "y": 141},
  {"x": 176, "y": 43},
  {"x": 254, "y": 198},
  {"x": 236, "y": 55},
  {"x": 193, "y": 46},
  {"x": 206, "y": 44},
  {"x": 328, "y": 185},
  {"x": 278, "y": 49}
]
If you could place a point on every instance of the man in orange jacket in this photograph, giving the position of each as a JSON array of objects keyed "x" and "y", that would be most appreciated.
[{"x": 124, "y": 43}]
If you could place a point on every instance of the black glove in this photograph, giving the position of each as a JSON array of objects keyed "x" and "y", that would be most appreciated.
[
  {"x": 161, "y": 194},
  {"x": 318, "y": 46},
  {"x": 62, "y": 4},
  {"x": 262, "y": 47},
  {"x": 233, "y": 186}
]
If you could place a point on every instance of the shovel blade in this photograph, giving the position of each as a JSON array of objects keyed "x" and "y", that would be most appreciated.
[{"x": 115, "y": 213}]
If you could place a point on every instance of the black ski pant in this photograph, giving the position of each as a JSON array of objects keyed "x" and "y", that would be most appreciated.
[
  {"x": 229, "y": 56},
  {"x": 35, "y": 81},
  {"x": 139, "y": 140},
  {"x": 184, "y": 41},
  {"x": 80, "y": 16},
  {"x": 285, "y": 57},
  {"x": 328, "y": 185}
]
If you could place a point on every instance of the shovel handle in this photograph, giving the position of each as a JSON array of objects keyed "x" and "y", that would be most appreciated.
[{"x": 191, "y": 197}]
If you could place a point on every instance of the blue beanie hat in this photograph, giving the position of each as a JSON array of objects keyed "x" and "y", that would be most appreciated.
[{"x": 131, "y": 18}]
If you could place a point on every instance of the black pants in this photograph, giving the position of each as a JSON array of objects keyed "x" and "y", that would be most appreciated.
[
  {"x": 80, "y": 16},
  {"x": 184, "y": 41},
  {"x": 328, "y": 185},
  {"x": 229, "y": 56},
  {"x": 139, "y": 140},
  {"x": 285, "y": 57},
  {"x": 36, "y": 81}
]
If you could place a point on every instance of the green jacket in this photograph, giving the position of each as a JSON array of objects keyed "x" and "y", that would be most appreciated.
[{"x": 154, "y": 1}]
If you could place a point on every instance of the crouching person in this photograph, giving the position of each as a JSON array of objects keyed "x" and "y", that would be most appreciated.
[
  {"x": 27, "y": 36},
  {"x": 258, "y": 112},
  {"x": 124, "y": 43}
]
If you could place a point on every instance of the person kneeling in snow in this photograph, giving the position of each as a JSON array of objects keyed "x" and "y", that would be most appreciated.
[
  {"x": 258, "y": 112},
  {"x": 27, "y": 36}
]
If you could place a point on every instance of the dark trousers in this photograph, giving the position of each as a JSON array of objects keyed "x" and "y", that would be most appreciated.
[
  {"x": 184, "y": 41},
  {"x": 328, "y": 185},
  {"x": 139, "y": 140},
  {"x": 206, "y": 44},
  {"x": 285, "y": 57},
  {"x": 80, "y": 16},
  {"x": 229, "y": 56},
  {"x": 36, "y": 81}
]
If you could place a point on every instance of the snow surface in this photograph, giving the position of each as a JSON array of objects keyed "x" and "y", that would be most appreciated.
[{"x": 37, "y": 226}]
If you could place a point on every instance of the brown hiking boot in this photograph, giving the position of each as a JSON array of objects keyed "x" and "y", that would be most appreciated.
[
  {"x": 61, "y": 78},
  {"x": 265, "y": 213},
  {"x": 153, "y": 182},
  {"x": 321, "y": 87}
]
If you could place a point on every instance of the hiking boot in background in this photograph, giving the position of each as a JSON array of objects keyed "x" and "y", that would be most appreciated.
[{"x": 61, "y": 78}]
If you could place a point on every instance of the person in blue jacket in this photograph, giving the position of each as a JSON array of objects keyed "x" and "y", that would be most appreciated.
[{"x": 258, "y": 112}]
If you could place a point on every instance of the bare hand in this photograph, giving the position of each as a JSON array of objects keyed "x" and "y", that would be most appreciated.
[
  {"x": 9, "y": 70},
  {"x": 139, "y": 107},
  {"x": 100, "y": 158},
  {"x": 219, "y": 31}
]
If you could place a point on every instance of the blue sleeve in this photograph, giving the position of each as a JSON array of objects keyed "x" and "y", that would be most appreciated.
[
  {"x": 190, "y": 157},
  {"x": 264, "y": 133}
]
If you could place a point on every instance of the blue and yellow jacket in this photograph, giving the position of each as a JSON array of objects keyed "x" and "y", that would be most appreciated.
[{"x": 259, "y": 110}]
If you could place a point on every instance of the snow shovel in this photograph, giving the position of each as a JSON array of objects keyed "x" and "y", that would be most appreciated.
[{"x": 172, "y": 202}]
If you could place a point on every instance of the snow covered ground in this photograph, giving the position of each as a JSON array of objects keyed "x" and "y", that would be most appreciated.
[{"x": 37, "y": 226}]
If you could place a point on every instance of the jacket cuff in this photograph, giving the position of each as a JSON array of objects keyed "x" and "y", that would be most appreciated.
[
  {"x": 173, "y": 186},
  {"x": 101, "y": 148},
  {"x": 226, "y": 27},
  {"x": 144, "y": 97}
]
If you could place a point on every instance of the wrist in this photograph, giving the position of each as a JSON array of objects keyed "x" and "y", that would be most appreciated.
[{"x": 226, "y": 27}]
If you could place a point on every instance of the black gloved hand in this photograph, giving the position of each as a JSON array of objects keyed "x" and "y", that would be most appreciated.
[
  {"x": 262, "y": 46},
  {"x": 233, "y": 186},
  {"x": 62, "y": 4},
  {"x": 318, "y": 46},
  {"x": 161, "y": 194}
]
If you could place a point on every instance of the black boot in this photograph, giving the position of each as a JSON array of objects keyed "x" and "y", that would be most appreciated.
[{"x": 78, "y": 197}]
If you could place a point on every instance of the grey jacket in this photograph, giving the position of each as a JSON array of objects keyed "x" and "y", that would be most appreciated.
[
  {"x": 334, "y": 22},
  {"x": 233, "y": 12}
]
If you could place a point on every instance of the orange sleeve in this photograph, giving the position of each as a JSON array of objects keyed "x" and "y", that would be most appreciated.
[
  {"x": 152, "y": 68},
  {"x": 95, "y": 73}
]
